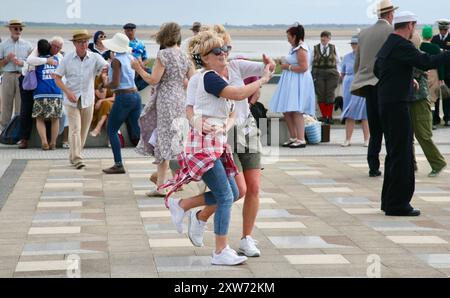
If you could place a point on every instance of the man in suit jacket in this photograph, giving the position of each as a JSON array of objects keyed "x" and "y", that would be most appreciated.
[
  {"x": 365, "y": 83},
  {"x": 443, "y": 41},
  {"x": 394, "y": 69}
]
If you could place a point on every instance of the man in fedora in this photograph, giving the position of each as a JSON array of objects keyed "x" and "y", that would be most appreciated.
[
  {"x": 365, "y": 84},
  {"x": 196, "y": 27},
  {"x": 80, "y": 69},
  {"x": 13, "y": 54},
  {"x": 443, "y": 41},
  {"x": 394, "y": 69}
]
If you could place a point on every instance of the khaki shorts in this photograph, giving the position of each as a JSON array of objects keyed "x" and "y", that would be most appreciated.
[{"x": 247, "y": 161}]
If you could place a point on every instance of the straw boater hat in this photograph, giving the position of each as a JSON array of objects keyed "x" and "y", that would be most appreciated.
[
  {"x": 385, "y": 6},
  {"x": 80, "y": 35},
  {"x": 118, "y": 44},
  {"x": 15, "y": 23}
]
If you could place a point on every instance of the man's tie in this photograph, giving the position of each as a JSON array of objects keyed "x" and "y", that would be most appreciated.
[{"x": 324, "y": 52}]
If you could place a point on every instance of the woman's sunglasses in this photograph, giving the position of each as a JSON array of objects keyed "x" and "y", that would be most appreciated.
[
  {"x": 219, "y": 51},
  {"x": 102, "y": 37}
]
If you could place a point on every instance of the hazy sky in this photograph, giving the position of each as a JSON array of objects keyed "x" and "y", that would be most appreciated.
[{"x": 236, "y": 12}]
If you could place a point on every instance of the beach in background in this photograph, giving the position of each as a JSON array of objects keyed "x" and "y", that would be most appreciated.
[{"x": 249, "y": 43}]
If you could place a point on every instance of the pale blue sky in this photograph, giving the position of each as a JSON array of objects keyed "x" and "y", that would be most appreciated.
[{"x": 235, "y": 12}]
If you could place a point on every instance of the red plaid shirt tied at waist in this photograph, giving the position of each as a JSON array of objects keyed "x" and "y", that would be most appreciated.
[{"x": 200, "y": 154}]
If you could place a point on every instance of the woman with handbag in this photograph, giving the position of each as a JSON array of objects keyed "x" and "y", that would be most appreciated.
[{"x": 47, "y": 98}]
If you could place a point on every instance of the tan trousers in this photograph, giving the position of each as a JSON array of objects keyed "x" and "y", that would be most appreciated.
[
  {"x": 10, "y": 102},
  {"x": 79, "y": 124}
]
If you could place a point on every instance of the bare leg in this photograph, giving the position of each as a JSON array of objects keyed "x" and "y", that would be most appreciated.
[
  {"x": 97, "y": 130},
  {"x": 299, "y": 124},
  {"x": 251, "y": 202},
  {"x": 55, "y": 130},
  {"x": 163, "y": 172},
  {"x": 42, "y": 130},
  {"x": 349, "y": 128},
  {"x": 66, "y": 135},
  {"x": 366, "y": 131},
  {"x": 208, "y": 211},
  {"x": 221, "y": 243},
  {"x": 290, "y": 125}
]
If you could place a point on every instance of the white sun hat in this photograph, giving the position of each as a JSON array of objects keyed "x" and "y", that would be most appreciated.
[{"x": 120, "y": 43}]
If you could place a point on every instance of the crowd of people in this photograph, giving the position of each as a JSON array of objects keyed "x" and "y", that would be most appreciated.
[{"x": 198, "y": 125}]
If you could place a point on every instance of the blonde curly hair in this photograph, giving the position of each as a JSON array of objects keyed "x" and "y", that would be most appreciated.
[
  {"x": 220, "y": 30},
  {"x": 201, "y": 44}
]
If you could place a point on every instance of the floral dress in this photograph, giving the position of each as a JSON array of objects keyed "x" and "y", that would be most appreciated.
[{"x": 171, "y": 103}]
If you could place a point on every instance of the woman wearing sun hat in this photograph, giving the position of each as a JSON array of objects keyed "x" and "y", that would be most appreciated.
[{"x": 127, "y": 104}]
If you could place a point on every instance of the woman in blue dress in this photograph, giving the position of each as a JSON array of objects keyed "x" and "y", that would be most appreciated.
[
  {"x": 295, "y": 93},
  {"x": 354, "y": 106}
]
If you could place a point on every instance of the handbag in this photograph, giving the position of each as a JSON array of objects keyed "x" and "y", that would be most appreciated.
[{"x": 30, "y": 81}]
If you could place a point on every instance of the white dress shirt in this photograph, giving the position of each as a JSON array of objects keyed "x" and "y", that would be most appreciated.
[{"x": 80, "y": 76}]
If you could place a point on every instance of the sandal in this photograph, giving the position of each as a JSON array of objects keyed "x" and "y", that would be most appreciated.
[
  {"x": 298, "y": 144},
  {"x": 289, "y": 143},
  {"x": 45, "y": 147}
]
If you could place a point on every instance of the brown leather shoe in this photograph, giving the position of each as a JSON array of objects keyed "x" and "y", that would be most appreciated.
[
  {"x": 114, "y": 170},
  {"x": 23, "y": 144}
]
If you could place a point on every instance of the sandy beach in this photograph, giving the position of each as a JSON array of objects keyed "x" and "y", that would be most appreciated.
[{"x": 145, "y": 33}]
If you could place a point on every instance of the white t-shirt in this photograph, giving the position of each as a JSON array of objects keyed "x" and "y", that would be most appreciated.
[{"x": 238, "y": 71}]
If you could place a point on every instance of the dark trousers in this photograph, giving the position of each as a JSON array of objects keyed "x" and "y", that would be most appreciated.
[
  {"x": 437, "y": 110},
  {"x": 26, "y": 111},
  {"x": 376, "y": 131},
  {"x": 126, "y": 106},
  {"x": 399, "y": 178}
]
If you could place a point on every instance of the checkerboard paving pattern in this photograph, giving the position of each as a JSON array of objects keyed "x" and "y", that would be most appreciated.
[{"x": 319, "y": 217}]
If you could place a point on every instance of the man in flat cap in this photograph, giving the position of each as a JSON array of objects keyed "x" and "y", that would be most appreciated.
[
  {"x": 365, "y": 83},
  {"x": 139, "y": 51},
  {"x": 394, "y": 69},
  {"x": 13, "y": 54},
  {"x": 443, "y": 41}
]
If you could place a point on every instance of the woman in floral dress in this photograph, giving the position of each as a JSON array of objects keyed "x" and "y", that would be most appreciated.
[{"x": 172, "y": 68}]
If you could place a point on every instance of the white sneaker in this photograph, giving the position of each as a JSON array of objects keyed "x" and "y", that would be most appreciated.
[
  {"x": 248, "y": 247},
  {"x": 346, "y": 144},
  {"x": 228, "y": 257},
  {"x": 177, "y": 214},
  {"x": 196, "y": 229}
]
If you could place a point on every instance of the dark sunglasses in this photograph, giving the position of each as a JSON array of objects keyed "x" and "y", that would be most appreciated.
[
  {"x": 20, "y": 29},
  {"x": 218, "y": 51},
  {"x": 102, "y": 37}
]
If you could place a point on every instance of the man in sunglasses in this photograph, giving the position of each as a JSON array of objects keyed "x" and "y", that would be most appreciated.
[{"x": 13, "y": 54}]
